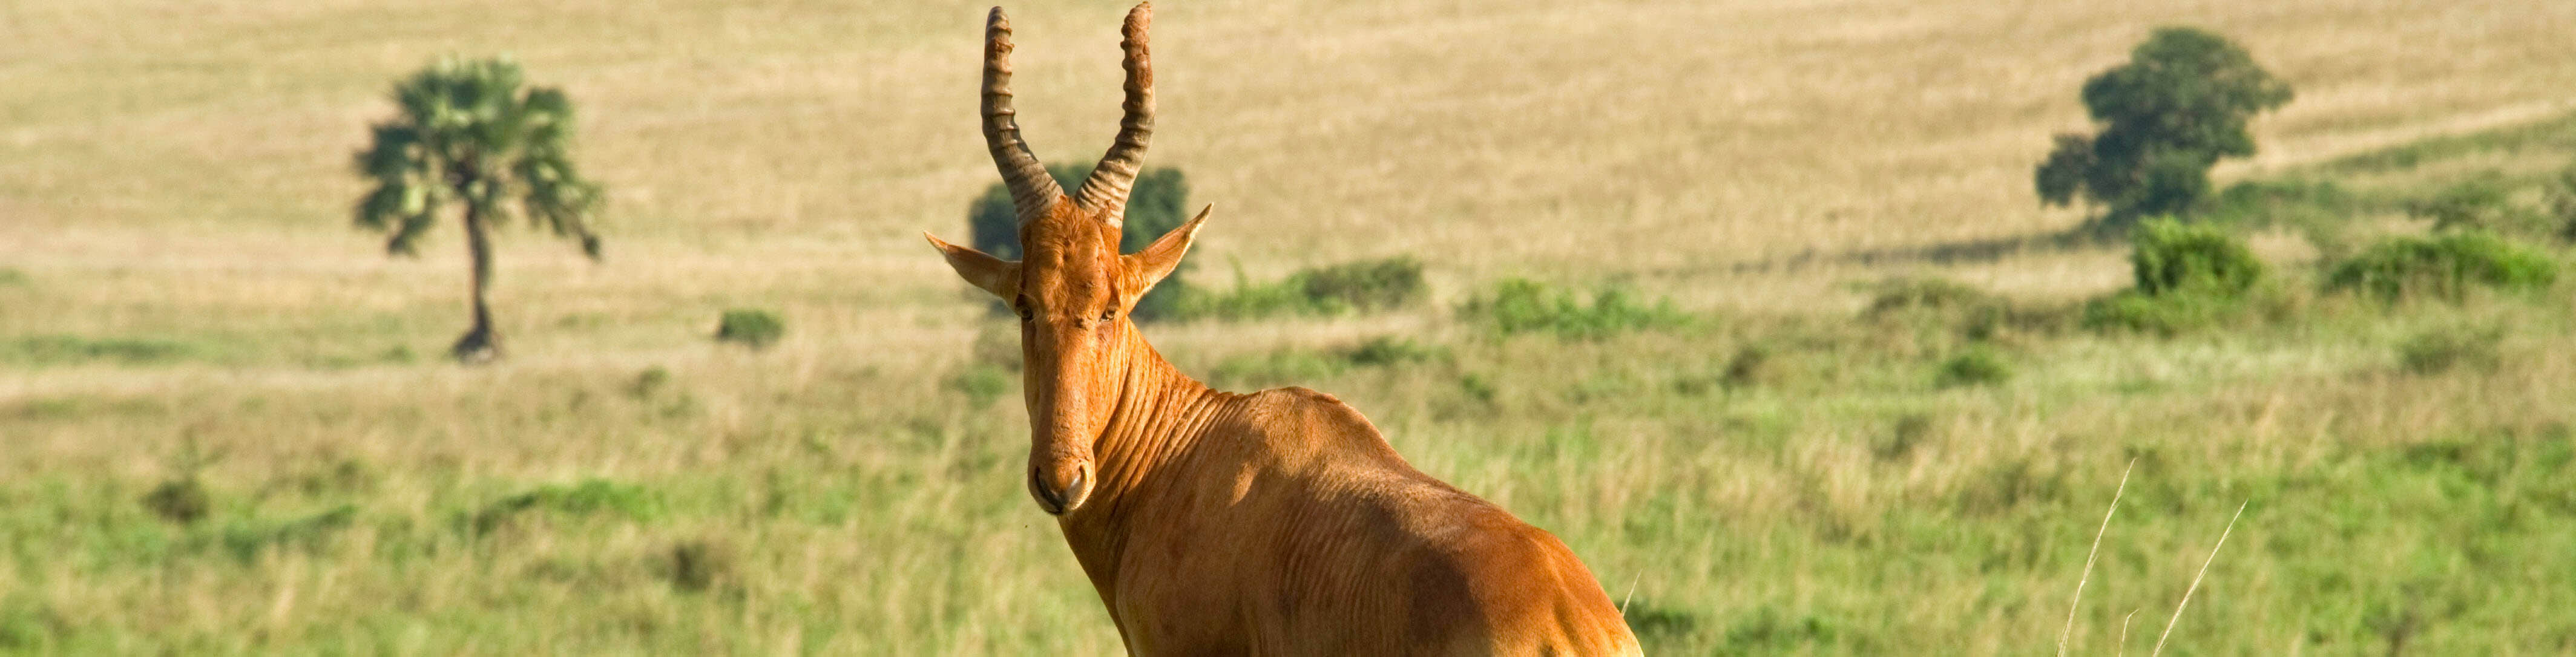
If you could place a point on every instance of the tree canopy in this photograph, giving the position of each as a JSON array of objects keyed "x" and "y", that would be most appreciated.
[
  {"x": 2181, "y": 103},
  {"x": 468, "y": 133}
]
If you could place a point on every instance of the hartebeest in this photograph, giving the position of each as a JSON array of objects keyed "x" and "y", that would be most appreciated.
[{"x": 1212, "y": 523}]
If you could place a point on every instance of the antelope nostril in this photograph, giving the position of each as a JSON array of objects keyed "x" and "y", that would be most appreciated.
[{"x": 1048, "y": 498}]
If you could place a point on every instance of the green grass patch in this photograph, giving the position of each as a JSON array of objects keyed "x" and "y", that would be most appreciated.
[
  {"x": 44, "y": 350},
  {"x": 1361, "y": 286},
  {"x": 2455, "y": 347},
  {"x": 2445, "y": 266},
  {"x": 1520, "y": 305}
]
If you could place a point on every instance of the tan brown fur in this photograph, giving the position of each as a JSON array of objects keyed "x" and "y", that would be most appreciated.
[{"x": 1213, "y": 523}]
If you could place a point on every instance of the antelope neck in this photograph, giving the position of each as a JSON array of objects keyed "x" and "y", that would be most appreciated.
[{"x": 1159, "y": 415}]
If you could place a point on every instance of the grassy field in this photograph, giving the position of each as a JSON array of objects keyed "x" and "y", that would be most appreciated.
[{"x": 184, "y": 308}]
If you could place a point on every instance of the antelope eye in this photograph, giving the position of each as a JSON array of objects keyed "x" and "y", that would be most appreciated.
[{"x": 1109, "y": 315}]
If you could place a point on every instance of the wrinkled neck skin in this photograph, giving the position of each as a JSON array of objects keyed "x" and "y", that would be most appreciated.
[{"x": 1159, "y": 415}]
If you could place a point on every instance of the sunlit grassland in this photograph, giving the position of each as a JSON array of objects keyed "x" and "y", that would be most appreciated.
[{"x": 180, "y": 297}]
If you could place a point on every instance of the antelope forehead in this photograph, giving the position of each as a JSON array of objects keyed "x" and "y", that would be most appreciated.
[{"x": 1082, "y": 283}]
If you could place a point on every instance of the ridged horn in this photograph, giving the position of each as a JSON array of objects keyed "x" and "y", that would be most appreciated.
[
  {"x": 1105, "y": 192},
  {"x": 1032, "y": 190}
]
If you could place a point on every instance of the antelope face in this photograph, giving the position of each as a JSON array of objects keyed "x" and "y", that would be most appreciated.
[{"x": 1072, "y": 290}]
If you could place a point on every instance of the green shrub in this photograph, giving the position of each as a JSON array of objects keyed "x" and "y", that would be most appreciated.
[
  {"x": 699, "y": 564},
  {"x": 2168, "y": 256},
  {"x": 1751, "y": 365},
  {"x": 1366, "y": 285},
  {"x": 2445, "y": 265},
  {"x": 12, "y": 276},
  {"x": 756, "y": 329},
  {"x": 1520, "y": 305},
  {"x": 182, "y": 500},
  {"x": 2185, "y": 277},
  {"x": 1972, "y": 367},
  {"x": 2441, "y": 350}
]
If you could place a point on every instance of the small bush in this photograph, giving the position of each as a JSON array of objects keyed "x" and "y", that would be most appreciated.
[
  {"x": 1367, "y": 285},
  {"x": 2185, "y": 276},
  {"x": 2168, "y": 256},
  {"x": 2441, "y": 350},
  {"x": 700, "y": 564},
  {"x": 2445, "y": 265},
  {"x": 1364, "y": 285},
  {"x": 12, "y": 276},
  {"x": 1974, "y": 367},
  {"x": 756, "y": 329},
  {"x": 1752, "y": 365},
  {"x": 1520, "y": 306},
  {"x": 183, "y": 500}
]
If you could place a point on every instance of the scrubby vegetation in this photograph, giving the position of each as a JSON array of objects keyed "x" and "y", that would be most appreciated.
[
  {"x": 1521, "y": 305},
  {"x": 2442, "y": 349},
  {"x": 752, "y": 328},
  {"x": 2183, "y": 277},
  {"x": 1365, "y": 285},
  {"x": 2445, "y": 266}
]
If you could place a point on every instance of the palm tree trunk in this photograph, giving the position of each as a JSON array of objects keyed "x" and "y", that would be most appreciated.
[{"x": 482, "y": 344}]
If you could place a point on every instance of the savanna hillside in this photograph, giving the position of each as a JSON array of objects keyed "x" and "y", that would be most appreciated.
[{"x": 225, "y": 427}]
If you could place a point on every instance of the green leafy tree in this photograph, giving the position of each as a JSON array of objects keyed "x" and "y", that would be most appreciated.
[
  {"x": 2181, "y": 104},
  {"x": 1156, "y": 206},
  {"x": 471, "y": 136}
]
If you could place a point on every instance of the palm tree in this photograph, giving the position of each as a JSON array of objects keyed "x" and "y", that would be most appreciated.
[{"x": 470, "y": 135}]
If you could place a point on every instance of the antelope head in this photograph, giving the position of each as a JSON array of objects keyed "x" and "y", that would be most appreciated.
[{"x": 1072, "y": 288}]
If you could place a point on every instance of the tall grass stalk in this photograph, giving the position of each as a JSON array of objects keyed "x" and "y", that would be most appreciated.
[
  {"x": 2089, "y": 555},
  {"x": 2195, "y": 579}
]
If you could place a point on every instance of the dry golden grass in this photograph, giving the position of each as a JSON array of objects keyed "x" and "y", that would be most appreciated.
[{"x": 178, "y": 173}]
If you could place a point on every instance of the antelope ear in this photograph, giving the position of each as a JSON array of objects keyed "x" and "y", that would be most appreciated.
[
  {"x": 995, "y": 275},
  {"x": 1147, "y": 267}
]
